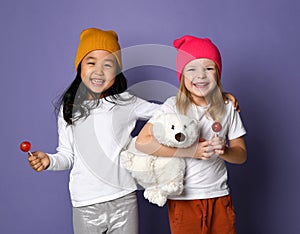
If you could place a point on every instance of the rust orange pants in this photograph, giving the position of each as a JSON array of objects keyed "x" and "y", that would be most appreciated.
[{"x": 204, "y": 216}]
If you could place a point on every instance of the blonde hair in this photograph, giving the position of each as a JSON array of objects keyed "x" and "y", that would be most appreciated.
[{"x": 215, "y": 111}]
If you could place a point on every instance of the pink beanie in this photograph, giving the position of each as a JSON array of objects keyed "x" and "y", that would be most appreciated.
[{"x": 190, "y": 48}]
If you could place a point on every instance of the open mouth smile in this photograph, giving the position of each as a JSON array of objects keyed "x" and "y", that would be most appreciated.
[
  {"x": 97, "y": 82},
  {"x": 201, "y": 85}
]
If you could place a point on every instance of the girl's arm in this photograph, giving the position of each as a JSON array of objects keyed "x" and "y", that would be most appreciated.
[
  {"x": 235, "y": 153},
  {"x": 63, "y": 158},
  {"x": 147, "y": 143},
  {"x": 229, "y": 96}
]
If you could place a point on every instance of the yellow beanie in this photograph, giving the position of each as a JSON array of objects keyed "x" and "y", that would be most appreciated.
[{"x": 97, "y": 39}]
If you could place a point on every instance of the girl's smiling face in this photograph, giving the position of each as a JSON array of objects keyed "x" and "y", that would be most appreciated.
[
  {"x": 200, "y": 79},
  {"x": 98, "y": 70}
]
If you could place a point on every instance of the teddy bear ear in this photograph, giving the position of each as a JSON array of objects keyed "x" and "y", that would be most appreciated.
[{"x": 194, "y": 122}]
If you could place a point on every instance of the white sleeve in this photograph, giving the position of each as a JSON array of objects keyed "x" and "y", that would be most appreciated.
[
  {"x": 64, "y": 157},
  {"x": 236, "y": 128},
  {"x": 144, "y": 109}
]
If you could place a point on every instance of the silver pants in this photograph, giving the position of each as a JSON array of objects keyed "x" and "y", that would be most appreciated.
[{"x": 118, "y": 216}]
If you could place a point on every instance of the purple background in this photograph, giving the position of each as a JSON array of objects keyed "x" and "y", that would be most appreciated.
[{"x": 259, "y": 42}]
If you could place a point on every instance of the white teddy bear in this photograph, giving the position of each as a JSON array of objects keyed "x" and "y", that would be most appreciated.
[{"x": 162, "y": 176}]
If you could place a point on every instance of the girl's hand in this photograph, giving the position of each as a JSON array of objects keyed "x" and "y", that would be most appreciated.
[
  {"x": 229, "y": 97},
  {"x": 204, "y": 150},
  {"x": 218, "y": 144},
  {"x": 39, "y": 161}
]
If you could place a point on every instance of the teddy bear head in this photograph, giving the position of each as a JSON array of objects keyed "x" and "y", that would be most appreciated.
[{"x": 175, "y": 130}]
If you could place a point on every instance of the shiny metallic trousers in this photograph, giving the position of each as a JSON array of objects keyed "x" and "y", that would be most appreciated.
[{"x": 118, "y": 216}]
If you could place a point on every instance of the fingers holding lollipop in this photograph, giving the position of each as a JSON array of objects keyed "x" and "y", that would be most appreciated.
[{"x": 38, "y": 160}]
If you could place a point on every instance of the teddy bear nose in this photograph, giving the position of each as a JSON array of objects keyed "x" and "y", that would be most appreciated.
[{"x": 180, "y": 137}]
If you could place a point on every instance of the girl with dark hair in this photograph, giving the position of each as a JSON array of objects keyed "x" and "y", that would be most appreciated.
[{"x": 95, "y": 118}]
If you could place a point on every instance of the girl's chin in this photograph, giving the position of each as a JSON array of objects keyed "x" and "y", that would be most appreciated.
[
  {"x": 96, "y": 93},
  {"x": 97, "y": 88},
  {"x": 200, "y": 93}
]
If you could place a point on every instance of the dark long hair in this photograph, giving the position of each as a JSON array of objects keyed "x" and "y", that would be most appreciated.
[{"x": 73, "y": 99}]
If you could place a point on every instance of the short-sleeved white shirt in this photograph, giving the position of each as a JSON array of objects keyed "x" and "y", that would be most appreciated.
[{"x": 207, "y": 178}]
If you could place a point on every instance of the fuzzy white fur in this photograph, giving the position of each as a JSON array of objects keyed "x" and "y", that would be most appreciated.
[{"x": 162, "y": 176}]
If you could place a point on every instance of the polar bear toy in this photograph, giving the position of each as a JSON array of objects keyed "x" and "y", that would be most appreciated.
[{"x": 162, "y": 176}]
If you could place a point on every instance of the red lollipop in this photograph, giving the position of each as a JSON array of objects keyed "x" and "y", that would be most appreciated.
[
  {"x": 216, "y": 127},
  {"x": 25, "y": 146}
]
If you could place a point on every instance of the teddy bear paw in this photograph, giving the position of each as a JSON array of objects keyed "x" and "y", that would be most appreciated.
[
  {"x": 173, "y": 188},
  {"x": 155, "y": 196},
  {"x": 127, "y": 159}
]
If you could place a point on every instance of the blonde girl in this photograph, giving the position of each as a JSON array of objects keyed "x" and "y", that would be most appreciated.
[{"x": 205, "y": 206}]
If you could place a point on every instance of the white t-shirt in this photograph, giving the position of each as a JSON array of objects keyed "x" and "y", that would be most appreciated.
[
  {"x": 207, "y": 178},
  {"x": 91, "y": 147}
]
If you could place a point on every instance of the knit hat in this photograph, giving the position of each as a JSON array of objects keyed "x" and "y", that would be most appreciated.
[
  {"x": 97, "y": 39},
  {"x": 190, "y": 48}
]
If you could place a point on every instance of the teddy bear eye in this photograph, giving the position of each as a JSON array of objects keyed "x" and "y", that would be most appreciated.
[
  {"x": 172, "y": 127},
  {"x": 184, "y": 126}
]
